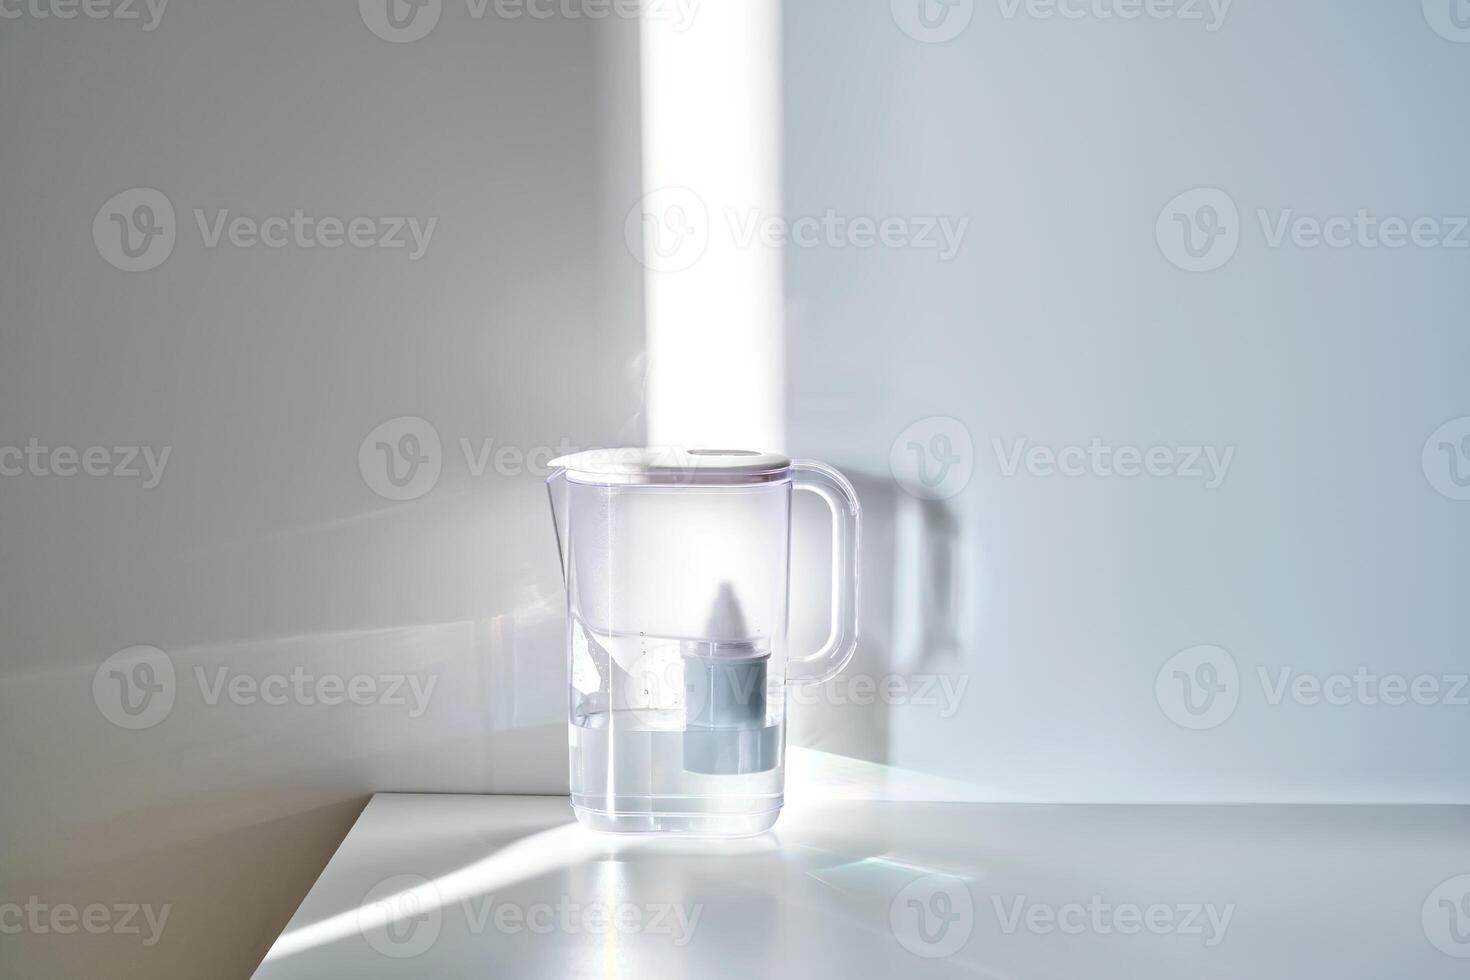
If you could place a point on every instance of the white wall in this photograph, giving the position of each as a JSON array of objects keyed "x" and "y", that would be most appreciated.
[
  {"x": 1326, "y": 548},
  {"x": 264, "y": 548}
]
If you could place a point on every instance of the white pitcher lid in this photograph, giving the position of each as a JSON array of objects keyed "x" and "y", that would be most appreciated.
[{"x": 673, "y": 465}]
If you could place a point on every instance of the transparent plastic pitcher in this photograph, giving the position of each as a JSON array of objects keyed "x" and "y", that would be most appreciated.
[{"x": 676, "y": 569}]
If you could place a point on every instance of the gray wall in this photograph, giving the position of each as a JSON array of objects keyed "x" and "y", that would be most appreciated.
[
  {"x": 1059, "y": 600},
  {"x": 265, "y": 548}
]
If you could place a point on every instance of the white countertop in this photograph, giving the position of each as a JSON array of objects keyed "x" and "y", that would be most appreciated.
[{"x": 508, "y": 886}]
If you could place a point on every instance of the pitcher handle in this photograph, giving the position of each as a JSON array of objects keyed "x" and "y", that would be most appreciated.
[{"x": 841, "y": 499}]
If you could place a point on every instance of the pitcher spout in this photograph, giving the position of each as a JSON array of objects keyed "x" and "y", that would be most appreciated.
[{"x": 556, "y": 493}]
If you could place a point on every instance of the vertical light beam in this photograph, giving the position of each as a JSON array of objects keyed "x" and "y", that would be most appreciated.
[{"x": 711, "y": 99}]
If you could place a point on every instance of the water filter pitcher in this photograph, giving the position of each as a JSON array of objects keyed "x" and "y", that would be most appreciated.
[{"x": 676, "y": 565}]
